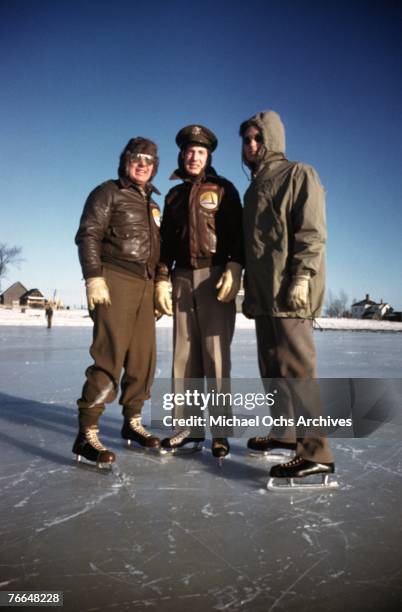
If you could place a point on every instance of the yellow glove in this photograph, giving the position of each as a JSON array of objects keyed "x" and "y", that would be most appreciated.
[
  {"x": 162, "y": 299},
  {"x": 229, "y": 282},
  {"x": 298, "y": 292},
  {"x": 97, "y": 292}
]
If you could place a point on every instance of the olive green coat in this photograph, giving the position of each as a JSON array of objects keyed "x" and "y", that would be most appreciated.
[{"x": 284, "y": 228}]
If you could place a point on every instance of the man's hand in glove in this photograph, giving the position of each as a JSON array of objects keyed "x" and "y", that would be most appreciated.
[
  {"x": 298, "y": 292},
  {"x": 97, "y": 292},
  {"x": 162, "y": 299},
  {"x": 229, "y": 282}
]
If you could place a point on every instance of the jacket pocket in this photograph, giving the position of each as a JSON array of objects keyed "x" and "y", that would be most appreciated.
[
  {"x": 207, "y": 229},
  {"x": 123, "y": 232}
]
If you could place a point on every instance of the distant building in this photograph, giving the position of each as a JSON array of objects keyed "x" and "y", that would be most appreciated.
[
  {"x": 395, "y": 315},
  {"x": 12, "y": 295},
  {"x": 368, "y": 309},
  {"x": 33, "y": 299}
]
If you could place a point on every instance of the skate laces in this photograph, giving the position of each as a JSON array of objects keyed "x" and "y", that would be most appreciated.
[
  {"x": 92, "y": 437},
  {"x": 178, "y": 438},
  {"x": 135, "y": 424},
  {"x": 294, "y": 462}
]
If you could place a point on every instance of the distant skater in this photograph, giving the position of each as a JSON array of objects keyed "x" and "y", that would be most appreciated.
[{"x": 49, "y": 315}]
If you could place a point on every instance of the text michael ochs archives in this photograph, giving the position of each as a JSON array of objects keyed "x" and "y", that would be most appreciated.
[{"x": 194, "y": 401}]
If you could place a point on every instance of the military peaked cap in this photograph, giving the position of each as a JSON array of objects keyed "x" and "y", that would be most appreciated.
[{"x": 196, "y": 134}]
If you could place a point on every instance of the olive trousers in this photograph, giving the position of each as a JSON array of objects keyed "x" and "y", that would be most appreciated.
[
  {"x": 286, "y": 351},
  {"x": 123, "y": 339}
]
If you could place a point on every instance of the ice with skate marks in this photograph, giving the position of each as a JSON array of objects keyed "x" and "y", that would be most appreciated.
[
  {"x": 304, "y": 483},
  {"x": 110, "y": 470}
]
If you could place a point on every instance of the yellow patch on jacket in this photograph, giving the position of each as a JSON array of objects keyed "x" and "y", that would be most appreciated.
[
  {"x": 209, "y": 200},
  {"x": 157, "y": 216}
]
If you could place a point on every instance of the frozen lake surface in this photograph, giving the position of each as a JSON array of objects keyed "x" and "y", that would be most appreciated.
[{"x": 173, "y": 533}]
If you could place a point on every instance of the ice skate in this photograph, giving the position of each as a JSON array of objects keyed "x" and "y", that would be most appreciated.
[
  {"x": 182, "y": 442},
  {"x": 270, "y": 448},
  {"x": 291, "y": 476},
  {"x": 88, "y": 446},
  {"x": 134, "y": 431},
  {"x": 220, "y": 449}
]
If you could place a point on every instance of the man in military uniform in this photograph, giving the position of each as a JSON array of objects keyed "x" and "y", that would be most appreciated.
[
  {"x": 202, "y": 254},
  {"x": 118, "y": 243},
  {"x": 285, "y": 233}
]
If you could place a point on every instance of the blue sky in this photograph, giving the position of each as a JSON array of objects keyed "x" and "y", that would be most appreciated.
[{"x": 79, "y": 78}]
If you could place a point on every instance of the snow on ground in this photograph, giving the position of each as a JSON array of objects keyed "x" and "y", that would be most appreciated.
[{"x": 78, "y": 318}]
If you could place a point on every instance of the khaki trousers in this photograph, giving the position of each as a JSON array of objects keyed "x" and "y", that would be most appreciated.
[
  {"x": 286, "y": 350},
  {"x": 202, "y": 334},
  {"x": 123, "y": 338}
]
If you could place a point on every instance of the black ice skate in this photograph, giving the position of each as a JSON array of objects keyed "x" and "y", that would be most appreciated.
[
  {"x": 220, "y": 449},
  {"x": 271, "y": 449},
  {"x": 88, "y": 445},
  {"x": 300, "y": 469},
  {"x": 182, "y": 442},
  {"x": 133, "y": 431}
]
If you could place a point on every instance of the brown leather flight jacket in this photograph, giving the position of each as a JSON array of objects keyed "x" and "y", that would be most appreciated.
[
  {"x": 201, "y": 225},
  {"x": 119, "y": 226}
]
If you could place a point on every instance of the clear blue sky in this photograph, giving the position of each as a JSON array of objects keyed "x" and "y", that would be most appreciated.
[{"x": 79, "y": 78}]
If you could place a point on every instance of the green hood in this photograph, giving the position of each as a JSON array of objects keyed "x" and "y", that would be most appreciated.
[
  {"x": 273, "y": 134},
  {"x": 272, "y": 129}
]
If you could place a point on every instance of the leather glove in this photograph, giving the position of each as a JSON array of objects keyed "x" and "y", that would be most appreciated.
[
  {"x": 229, "y": 282},
  {"x": 97, "y": 292},
  {"x": 162, "y": 299},
  {"x": 298, "y": 292}
]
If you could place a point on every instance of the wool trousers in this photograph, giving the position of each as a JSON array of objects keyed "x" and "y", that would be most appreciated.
[
  {"x": 123, "y": 339},
  {"x": 286, "y": 352},
  {"x": 202, "y": 334}
]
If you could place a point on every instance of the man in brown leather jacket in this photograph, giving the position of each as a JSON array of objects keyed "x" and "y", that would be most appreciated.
[
  {"x": 118, "y": 244},
  {"x": 202, "y": 252}
]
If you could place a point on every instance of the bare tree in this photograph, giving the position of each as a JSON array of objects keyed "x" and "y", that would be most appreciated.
[
  {"x": 336, "y": 305},
  {"x": 8, "y": 256}
]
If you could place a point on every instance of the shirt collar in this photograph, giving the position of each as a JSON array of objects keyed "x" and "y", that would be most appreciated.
[{"x": 211, "y": 175}]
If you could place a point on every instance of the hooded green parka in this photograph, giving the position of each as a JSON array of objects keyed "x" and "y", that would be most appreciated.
[{"x": 284, "y": 227}]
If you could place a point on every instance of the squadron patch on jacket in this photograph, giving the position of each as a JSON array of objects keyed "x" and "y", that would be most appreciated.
[
  {"x": 209, "y": 200},
  {"x": 156, "y": 213}
]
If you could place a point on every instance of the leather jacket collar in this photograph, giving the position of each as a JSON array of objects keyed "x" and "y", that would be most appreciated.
[{"x": 126, "y": 183}]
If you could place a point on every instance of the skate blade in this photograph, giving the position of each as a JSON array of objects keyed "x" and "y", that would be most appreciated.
[
  {"x": 221, "y": 460},
  {"x": 82, "y": 462},
  {"x": 186, "y": 450},
  {"x": 297, "y": 484},
  {"x": 276, "y": 456},
  {"x": 136, "y": 447}
]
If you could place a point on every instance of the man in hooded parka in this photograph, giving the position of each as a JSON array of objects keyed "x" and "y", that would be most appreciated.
[{"x": 285, "y": 234}]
